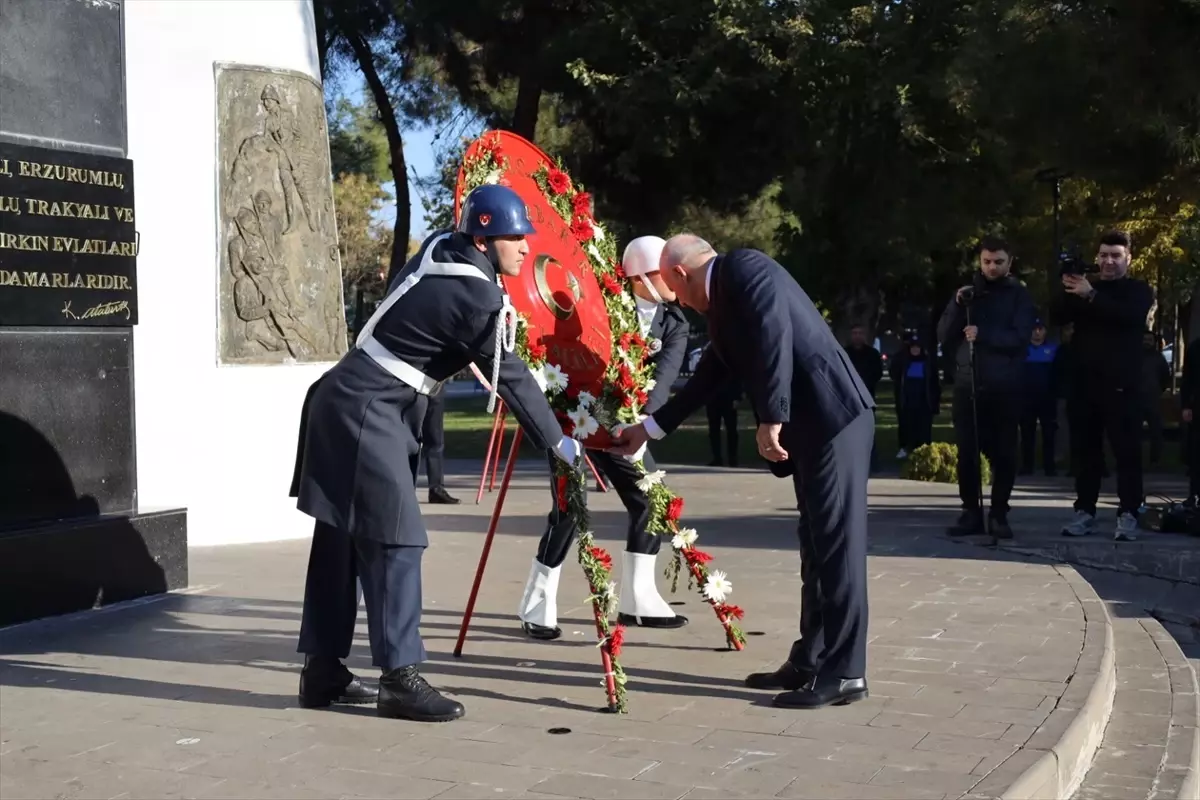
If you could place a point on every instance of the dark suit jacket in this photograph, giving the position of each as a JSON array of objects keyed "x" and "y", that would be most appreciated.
[
  {"x": 670, "y": 327},
  {"x": 765, "y": 331}
]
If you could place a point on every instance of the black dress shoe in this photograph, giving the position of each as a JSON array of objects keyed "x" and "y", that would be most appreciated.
[
  {"x": 824, "y": 692},
  {"x": 541, "y": 632},
  {"x": 439, "y": 496},
  {"x": 786, "y": 677},
  {"x": 324, "y": 682},
  {"x": 969, "y": 523},
  {"x": 677, "y": 621},
  {"x": 404, "y": 694},
  {"x": 999, "y": 528}
]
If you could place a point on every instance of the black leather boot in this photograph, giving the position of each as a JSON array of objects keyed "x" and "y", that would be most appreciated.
[
  {"x": 541, "y": 632},
  {"x": 404, "y": 694},
  {"x": 439, "y": 496},
  {"x": 325, "y": 681}
]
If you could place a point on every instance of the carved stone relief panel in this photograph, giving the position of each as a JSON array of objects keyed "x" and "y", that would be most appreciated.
[{"x": 281, "y": 278}]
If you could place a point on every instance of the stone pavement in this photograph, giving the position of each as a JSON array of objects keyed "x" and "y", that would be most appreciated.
[{"x": 977, "y": 660}]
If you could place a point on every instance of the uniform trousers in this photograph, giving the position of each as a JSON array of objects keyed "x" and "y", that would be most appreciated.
[
  {"x": 831, "y": 494},
  {"x": 560, "y": 527},
  {"x": 390, "y": 576}
]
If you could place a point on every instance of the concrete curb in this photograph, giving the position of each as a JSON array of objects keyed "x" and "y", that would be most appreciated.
[
  {"x": 1177, "y": 776},
  {"x": 1057, "y": 771}
]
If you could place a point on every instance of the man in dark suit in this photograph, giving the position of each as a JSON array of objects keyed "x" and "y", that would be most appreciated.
[
  {"x": 357, "y": 460},
  {"x": 665, "y": 329},
  {"x": 766, "y": 331}
]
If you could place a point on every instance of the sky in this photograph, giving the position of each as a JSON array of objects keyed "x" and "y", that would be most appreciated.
[{"x": 418, "y": 153}]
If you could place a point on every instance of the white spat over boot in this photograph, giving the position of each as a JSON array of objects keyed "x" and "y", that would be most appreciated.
[
  {"x": 539, "y": 604},
  {"x": 641, "y": 604}
]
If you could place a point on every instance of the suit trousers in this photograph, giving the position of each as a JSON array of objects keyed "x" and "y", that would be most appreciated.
[
  {"x": 831, "y": 494},
  {"x": 391, "y": 583},
  {"x": 433, "y": 441},
  {"x": 560, "y": 529},
  {"x": 1118, "y": 413},
  {"x": 723, "y": 411}
]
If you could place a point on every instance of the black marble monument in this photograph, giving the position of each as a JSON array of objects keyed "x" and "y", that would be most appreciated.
[{"x": 72, "y": 534}]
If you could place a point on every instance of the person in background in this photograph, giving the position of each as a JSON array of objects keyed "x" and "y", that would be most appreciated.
[
  {"x": 1156, "y": 379},
  {"x": 868, "y": 363},
  {"x": 918, "y": 393},
  {"x": 433, "y": 446},
  {"x": 722, "y": 408},
  {"x": 1189, "y": 401},
  {"x": 1040, "y": 401}
]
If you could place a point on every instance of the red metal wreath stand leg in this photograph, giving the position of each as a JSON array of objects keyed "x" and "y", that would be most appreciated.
[
  {"x": 610, "y": 685},
  {"x": 595, "y": 473},
  {"x": 493, "y": 452}
]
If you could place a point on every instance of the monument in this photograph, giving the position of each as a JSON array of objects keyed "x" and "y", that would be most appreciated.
[{"x": 172, "y": 179}]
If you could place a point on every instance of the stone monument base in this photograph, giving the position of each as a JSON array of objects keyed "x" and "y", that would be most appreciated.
[{"x": 75, "y": 565}]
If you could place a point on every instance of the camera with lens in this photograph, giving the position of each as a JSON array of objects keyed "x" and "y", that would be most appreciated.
[{"x": 1072, "y": 264}]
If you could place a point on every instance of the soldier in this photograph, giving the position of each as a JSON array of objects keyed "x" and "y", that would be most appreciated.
[
  {"x": 666, "y": 330},
  {"x": 355, "y": 472}
]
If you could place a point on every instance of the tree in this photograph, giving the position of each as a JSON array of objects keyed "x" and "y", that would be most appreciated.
[
  {"x": 364, "y": 240},
  {"x": 357, "y": 142}
]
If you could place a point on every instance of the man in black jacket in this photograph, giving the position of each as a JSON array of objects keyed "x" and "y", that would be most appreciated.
[
  {"x": 1110, "y": 317},
  {"x": 815, "y": 425},
  {"x": 868, "y": 363},
  {"x": 987, "y": 326}
]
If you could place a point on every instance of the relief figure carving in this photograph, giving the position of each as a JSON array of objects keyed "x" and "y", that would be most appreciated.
[{"x": 281, "y": 287}]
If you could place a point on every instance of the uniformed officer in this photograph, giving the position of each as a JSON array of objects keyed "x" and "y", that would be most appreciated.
[
  {"x": 355, "y": 473},
  {"x": 665, "y": 328}
]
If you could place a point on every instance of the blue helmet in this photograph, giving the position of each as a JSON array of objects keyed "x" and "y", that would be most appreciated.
[{"x": 493, "y": 210}]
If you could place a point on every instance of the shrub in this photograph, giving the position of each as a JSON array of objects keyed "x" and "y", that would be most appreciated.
[{"x": 938, "y": 463}]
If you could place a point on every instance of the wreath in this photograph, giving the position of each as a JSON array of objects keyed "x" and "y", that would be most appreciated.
[{"x": 627, "y": 382}]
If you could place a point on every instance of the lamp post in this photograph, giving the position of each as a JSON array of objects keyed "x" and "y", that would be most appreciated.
[{"x": 1055, "y": 176}]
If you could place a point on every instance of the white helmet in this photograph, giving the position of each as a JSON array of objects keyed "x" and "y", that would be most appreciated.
[{"x": 642, "y": 255}]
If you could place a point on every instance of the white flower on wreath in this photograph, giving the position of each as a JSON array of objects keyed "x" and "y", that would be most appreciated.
[
  {"x": 650, "y": 384},
  {"x": 650, "y": 480},
  {"x": 717, "y": 586},
  {"x": 539, "y": 375},
  {"x": 684, "y": 538},
  {"x": 597, "y": 233},
  {"x": 593, "y": 251},
  {"x": 627, "y": 300},
  {"x": 585, "y": 424},
  {"x": 556, "y": 379},
  {"x": 493, "y": 177},
  {"x": 586, "y": 399}
]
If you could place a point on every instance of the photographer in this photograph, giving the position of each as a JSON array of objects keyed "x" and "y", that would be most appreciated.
[
  {"x": 987, "y": 326},
  {"x": 1110, "y": 317}
]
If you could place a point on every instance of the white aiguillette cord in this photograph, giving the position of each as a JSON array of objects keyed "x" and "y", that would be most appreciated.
[{"x": 506, "y": 341}]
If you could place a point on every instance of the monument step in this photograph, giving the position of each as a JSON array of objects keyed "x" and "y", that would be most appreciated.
[{"x": 1149, "y": 748}]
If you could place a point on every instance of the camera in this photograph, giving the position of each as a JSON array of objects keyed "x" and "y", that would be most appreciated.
[{"x": 1072, "y": 264}]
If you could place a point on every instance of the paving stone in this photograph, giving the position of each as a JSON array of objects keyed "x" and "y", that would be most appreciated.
[{"x": 194, "y": 695}]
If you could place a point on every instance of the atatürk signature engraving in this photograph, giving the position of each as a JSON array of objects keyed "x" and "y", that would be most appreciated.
[{"x": 102, "y": 310}]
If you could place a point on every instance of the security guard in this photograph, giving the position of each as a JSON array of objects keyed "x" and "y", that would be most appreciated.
[
  {"x": 355, "y": 472},
  {"x": 665, "y": 328}
]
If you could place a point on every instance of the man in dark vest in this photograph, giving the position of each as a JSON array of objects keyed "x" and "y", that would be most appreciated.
[
  {"x": 359, "y": 434},
  {"x": 815, "y": 425}
]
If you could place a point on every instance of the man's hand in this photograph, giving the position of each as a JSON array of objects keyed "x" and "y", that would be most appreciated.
[
  {"x": 971, "y": 332},
  {"x": 767, "y": 439},
  {"x": 1077, "y": 285},
  {"x": 1186, "y": 415},
  {"x": 630, "y": 440}
]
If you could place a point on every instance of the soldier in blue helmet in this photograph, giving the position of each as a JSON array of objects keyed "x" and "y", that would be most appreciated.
[{"x": 359, "y": 442}]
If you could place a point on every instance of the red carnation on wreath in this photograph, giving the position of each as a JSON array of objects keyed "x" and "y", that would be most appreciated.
[
  {"x": 558, "y": 181},
  {"x": 537, "y": 352},
  {"x": 616, "y": 641},
  {"x": 695, "y": 556},
  {"x": 600, "y": 554},
  {"x": 611, "y": 285},
  {"x": 674, "y": 509},
  {"x": 581, "y": 204},
  {"x": 582, "y": 229}
]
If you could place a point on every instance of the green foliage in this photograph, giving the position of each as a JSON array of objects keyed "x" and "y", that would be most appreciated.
[
  {"x": 938, "y": 463},
  {"x": 357, "y": 142}
]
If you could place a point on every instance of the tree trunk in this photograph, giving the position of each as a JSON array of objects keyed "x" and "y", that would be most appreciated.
[
  {"x": 529, "y": 97},
  {"x": 319, "y": 21},
  {"x": 391, "y": 126}
]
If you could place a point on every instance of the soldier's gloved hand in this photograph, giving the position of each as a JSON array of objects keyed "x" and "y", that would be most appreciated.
[{"x": 569, "y": 450}]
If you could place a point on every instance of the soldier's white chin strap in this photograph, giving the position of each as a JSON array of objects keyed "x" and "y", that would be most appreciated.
[{"x": 653, "y": 292}]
